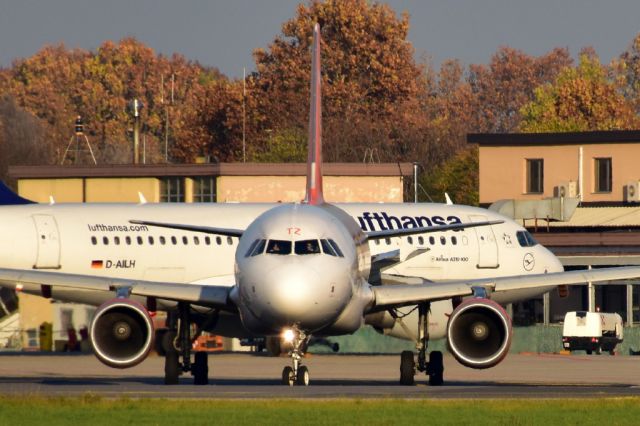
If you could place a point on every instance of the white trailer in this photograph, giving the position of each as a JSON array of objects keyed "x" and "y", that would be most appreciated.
[{"x": 592, "y": 331}]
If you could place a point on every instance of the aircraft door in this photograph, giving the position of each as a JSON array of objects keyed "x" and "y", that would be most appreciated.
[
  {"x": 487, "y": 244},
  {"x": 48, "y": 256}
]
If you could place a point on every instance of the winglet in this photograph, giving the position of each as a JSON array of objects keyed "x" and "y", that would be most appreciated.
[
  {"x": 314, "y": 160},
  {"x": 8, "y": 197},
  {"x": 448, "y": 199}
]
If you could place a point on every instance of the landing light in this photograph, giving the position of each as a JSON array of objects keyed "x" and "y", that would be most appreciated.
[{"x": 288, "y": 335}]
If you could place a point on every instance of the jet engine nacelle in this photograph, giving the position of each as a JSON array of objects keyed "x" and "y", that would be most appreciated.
[
  {"x": 121, "y": 333},
  {"x": 479, "y": 333}
]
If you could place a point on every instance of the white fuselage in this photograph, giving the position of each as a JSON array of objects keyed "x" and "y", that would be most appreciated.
[{"x": 98, "y": 239}]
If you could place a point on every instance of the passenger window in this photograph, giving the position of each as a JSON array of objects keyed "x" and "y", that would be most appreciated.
[
  {"x": 377, "y": 242},
  {"x": 259, "y": 248},
  {"x": 336, "y": 248},
  {"x": 454, "y": 240},
  {"x": 116, "y": 240},
  {"x": 410, "y": 240},
  {"x": 327, "y": 249},
  {"x": 443, "y": 240},
  {"x": 185, "y": 240},
  {"x": 432, "y": 240},
  {"x": 307, "y": 247},
  {"x": 94, "y": 240},
  {"x": 421, "y": 241},
  {"x": 230, "y": 241},
  {"x": 127, "y": 240},
  {"x": 218, "y": 240},
  {"x": 163, "y": 241},
  {"x": 387, "y": 240},
  {"x": 105, "y": 241},
  {"x": 196, "y": 241},
  {"x": 139, "y": 238},
  {"x": 207, "y": 240},
  {"x": 279, "y": 247},
  {"x": 151, "y": 240},
  {"x": 174, "y": 241}
]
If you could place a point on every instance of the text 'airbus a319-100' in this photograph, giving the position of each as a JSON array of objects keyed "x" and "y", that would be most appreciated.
[{"x": 288, "y": 271}]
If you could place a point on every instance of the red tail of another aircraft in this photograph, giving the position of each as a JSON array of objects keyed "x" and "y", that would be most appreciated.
[{"x": 314, "y": 160}]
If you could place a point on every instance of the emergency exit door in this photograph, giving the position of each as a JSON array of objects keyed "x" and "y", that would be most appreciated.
[
  {"x": 487, "y": 244},
  {"x": 48, "y": 256}
]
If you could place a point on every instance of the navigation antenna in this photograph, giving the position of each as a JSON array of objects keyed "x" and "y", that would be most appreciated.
[{"x": 78, "y": 143}]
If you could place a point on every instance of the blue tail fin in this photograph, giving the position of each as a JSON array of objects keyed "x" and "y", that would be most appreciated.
[{"x": 8, "y": 197}]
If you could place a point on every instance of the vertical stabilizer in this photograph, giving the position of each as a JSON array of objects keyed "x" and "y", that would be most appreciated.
[{"x": 314, "y": 160}]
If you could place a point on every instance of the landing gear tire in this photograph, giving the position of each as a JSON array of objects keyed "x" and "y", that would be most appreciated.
[
  {"x": 302, "y": 378},
  {"x": 171, "y": 368},
  {"x": 159, "y": 341},
  {"x": 435, "y": 369},
  {"x": 407, "y": 368},
  {"x": 200, "y": 369},
  {"x": 288, "y": 377}
]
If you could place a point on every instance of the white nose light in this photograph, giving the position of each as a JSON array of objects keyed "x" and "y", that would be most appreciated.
[{"x": 288, "y": 335}]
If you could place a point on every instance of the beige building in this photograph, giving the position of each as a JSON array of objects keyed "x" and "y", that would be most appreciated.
[
  {"x": 237, "y": 182},
  {"x": 596, "y": 167},
  {"x": 233, "y": 182}
]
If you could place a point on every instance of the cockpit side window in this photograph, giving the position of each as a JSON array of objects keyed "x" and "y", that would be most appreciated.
[
  {"x": 251, "y": 247},
  {"x": 525, "y": 239},
  {"x": 259, "y": 247},
  {"x": 307, "y": 247},
  {"x": 327, "y": 249},
  {"x": 336, "y": 248},
  {"x": 279, "y": 247}
]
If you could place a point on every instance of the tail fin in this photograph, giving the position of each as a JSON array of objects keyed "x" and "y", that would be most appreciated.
[
  {"x": 314, "y": 160},
  {"x": 8, "y": 197}
]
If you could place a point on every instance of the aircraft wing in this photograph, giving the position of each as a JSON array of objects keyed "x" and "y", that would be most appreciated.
[
  {"x": 412, "y": 290},
  {"x": 229, "y": 232},
  {"x": 199, "y": 294},
  {"x": 389, "y": 233}
]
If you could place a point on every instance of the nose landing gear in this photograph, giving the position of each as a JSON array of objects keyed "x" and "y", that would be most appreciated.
[{"x": 297, "y": 374}]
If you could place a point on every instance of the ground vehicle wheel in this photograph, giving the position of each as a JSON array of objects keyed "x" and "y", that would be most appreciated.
[
  {"x": 200, "y": 369},
  {"x": 407, "y": 368},
  {"x": 589, "y": 352},
  {"x": 302, "y": 378},
  {"x": 171, "y": 368},
  {"x": 435, "y": 369},
  {"x": 288, "y": 378}
]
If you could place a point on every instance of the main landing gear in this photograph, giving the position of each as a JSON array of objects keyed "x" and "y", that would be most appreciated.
[
  {"x": 434, "y": 368},
  {"x": 176, "y": 344},
  {"x": 298, "y": 374}
]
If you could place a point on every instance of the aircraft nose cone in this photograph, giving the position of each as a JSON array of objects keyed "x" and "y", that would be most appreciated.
[{"x": 292, "y": 292}]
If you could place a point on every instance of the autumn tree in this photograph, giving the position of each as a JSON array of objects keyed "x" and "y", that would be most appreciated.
[
  {"x": 581, "y": 99},
  {"x": 508, "y": 82},
  {"x": 626, "y": 73},
  {"x": 457, "y": 176},
  {"x": 368, "y": 72}
]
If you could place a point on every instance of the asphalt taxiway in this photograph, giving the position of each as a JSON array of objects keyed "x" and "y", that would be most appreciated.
[{"x": 332, "y": 376}]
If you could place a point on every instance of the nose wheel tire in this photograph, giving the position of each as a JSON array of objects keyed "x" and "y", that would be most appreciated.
[
  {"x": 407, "y": 368},
  {"x": 302, "y": 378},
  {"x": 288, "y": 377}
]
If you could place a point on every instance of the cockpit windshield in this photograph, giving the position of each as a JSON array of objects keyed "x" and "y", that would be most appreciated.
[
  {"x": 525, "y": 239},
  {"x": 282, "y": 247},
  {"x": 307, "y": 247},
  {"x": 256, "y": 248}
]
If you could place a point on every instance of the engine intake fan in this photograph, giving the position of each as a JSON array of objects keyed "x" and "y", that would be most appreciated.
[
  {"x": 479, "y": 333},
  {"x": 121, "y": 333}
]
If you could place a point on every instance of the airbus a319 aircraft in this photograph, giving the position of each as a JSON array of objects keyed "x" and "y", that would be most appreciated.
[{"x": 283, "y": 270}]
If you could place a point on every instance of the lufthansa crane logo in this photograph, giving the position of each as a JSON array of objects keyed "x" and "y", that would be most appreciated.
[{"x": 528, "y": 262}]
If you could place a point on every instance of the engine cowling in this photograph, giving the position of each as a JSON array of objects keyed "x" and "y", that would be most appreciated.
[
  {"x": 121, "y": 333},
  {"x": 479, "y": 333}
]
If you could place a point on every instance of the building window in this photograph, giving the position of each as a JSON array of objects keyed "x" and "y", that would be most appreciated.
[
  {"x": 535, "y": 176},
  {"x": 172, "y": 190},
  {"x": 603, "y": 178},
  {"x": 204, "y": 189}
]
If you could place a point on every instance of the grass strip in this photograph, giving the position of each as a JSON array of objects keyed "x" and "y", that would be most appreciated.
[{"x": 88, "y": 409}]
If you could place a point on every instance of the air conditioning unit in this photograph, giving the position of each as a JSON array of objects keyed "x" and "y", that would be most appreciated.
[
  {"x": 632, "y": 192},
  {"x": 567, "y": 190}
]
